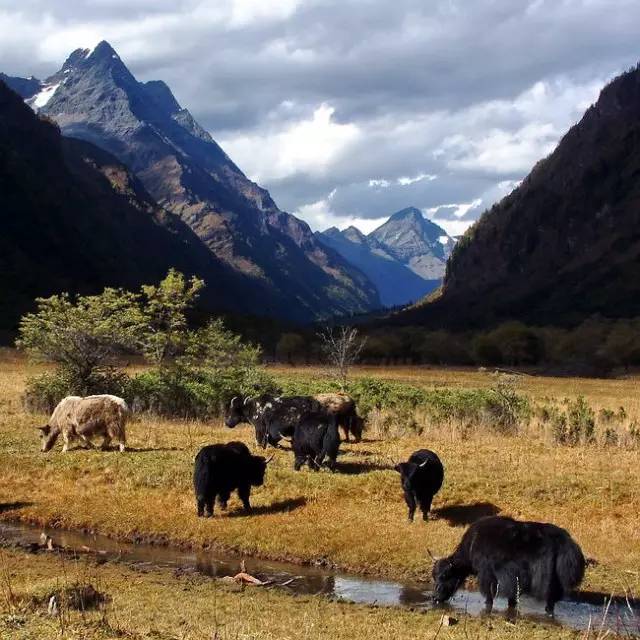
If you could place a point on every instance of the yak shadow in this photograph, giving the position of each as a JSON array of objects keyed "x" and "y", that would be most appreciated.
[
  {"x": 461, "y": 515},
  {"x": 147, "y": 449},
  {"x": 13, "y": 506},
  {"x": 282, "y": 506},
  {"x": 356, "y": 468}
]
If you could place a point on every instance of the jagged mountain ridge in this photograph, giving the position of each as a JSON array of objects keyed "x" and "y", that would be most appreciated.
[
  {"x": 565, "y": 244},
  {"x": 405, "y": 257},
  {"x": 415, "y": 241},
  {"x": 96, "y": 98},
  {"x": 75, "y": 219}
]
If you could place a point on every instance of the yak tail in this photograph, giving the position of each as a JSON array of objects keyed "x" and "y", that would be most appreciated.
[
  {"x": 570, "y": 565},
  {"x": 201, "y": 477}
]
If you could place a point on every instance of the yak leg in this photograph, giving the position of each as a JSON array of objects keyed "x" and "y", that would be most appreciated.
[
  {"x": 411, "y": 503},
  {"x": 244, "y": 493},
  {"x": 223, "y": 498},
  {"x": 85, "y": 441},
  {"x": 554, "y": 593},
  {"x": 106, "y": 442},
  {"x": 425, "y": 507},
  {"x": 488, "y": 588},
  {"x": 65, "y": 441},
  {"x": 298, "y": 462}
]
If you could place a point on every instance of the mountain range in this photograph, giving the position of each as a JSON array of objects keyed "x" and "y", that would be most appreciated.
[
  {"x": 94, "y": 97},
  {"x": 565, "y": 244},
  {"x": 405, "y": 257},
  {"x": 74, "y": 218}
]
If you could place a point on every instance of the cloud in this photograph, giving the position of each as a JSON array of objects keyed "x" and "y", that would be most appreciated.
[{"x": 367, "y": 99}]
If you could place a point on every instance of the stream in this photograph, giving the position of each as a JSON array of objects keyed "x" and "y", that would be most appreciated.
[{"x": 580, "y": 612}]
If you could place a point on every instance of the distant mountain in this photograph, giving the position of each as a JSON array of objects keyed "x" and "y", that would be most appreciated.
[
  {"x": 94, "y": 97},
  {"x": 416, "y": 242},
  {"x": 74, "y": 219},
  {"x": 566, "y": 243},
  {"x": 405, "y": 257}
]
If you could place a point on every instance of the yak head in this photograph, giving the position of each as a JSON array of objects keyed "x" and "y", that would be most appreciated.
[
  {"x": 447, "y": 579},
  {"x": 257, "y": 469},
  {"x": 48, "y": 436},
  {"x": 407, "y": 471},
  {"x": 236, "y": 412}
]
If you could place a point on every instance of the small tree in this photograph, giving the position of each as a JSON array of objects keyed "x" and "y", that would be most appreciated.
[
  {"x": 164, "y": 319},
  {"x": 82, "y": 335},
  {"x": 290, "y": 347},
  {"x": 213, "y": 347},
  {"x": 341, "y": 347}
]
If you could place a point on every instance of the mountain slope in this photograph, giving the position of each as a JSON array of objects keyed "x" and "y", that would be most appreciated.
[
  {"x": 566, "y": 243},
  {"x": 74, "y": 219},
  {"x": 396, "y": 283},
  {"x": 418, "y": 243},
  {"x": 96, "y": 98}
]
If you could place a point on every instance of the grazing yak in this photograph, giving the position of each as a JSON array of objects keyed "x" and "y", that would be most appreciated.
[
  {"x": 343, "y": 407},
  {"x": 510, "y": 558},
  {"x": 275, "y": 418},
  {"x": 314, "y": 439},
  {"x": 421, "y": 478},
  {"x": 84, "y": 418},
  {"x": 220, "y": 469}
]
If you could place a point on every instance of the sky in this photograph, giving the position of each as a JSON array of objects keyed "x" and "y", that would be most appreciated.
[{"x": 349, "y": 110}]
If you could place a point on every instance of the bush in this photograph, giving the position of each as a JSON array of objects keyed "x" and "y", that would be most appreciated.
[
  {"x": 43, "y": 392},
  {"x": 191, "y": 393}
]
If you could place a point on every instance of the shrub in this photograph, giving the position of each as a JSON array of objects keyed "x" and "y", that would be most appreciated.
[
  {"x": 580, "y": 422},
  {"x": 43, "y": 392},
  {"x": 192, "y": 393}
]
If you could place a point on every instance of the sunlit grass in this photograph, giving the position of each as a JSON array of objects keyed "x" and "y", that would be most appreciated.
[{"x": 356, "y": 520}]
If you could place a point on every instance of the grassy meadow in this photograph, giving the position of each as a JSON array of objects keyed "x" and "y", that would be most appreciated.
[{"x": 354, "y": 519}]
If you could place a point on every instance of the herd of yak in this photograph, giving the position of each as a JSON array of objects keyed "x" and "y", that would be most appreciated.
[{"x": 508, "y": 557}]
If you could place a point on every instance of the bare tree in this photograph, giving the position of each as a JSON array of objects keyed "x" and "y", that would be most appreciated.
[{"x": 341, "y": 347}]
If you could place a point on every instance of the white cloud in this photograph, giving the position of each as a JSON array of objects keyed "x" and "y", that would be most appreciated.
[
  {"x": 453, "y": 227},
  {"x": 405, "y": 180},
  {"x": 305, "y": 147}
]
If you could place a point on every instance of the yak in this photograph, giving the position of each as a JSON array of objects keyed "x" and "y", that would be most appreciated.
[
  {"x": 273, "y": 418},
  {"x": 343, "y": 407},
  {"x": 220, "y": 469},
  {"x": 314, "y": 439},
  {"x": 81, "y": 418},
  {"x": 421, "y": 478},
  {"x": 509, "y": 558}
]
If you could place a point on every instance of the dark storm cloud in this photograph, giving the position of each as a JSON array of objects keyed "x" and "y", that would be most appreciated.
[{"x": 339, "y": 107}]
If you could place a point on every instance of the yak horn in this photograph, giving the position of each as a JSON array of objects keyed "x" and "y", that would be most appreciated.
[
  {"x": 431, "y": 555},
  {"x": 270, "y": 458},
  {"x": 423, "y": 464},
  {"x": 246, "y": 400}
]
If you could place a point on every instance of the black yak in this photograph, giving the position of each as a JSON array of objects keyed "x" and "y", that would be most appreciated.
[
  {"x": 510, "y": 558},
  {"x": 421, "y": 478},
  {"x": 314, "y": 439},
  {"x": 273, "y": 418},
  {"x": 220, "y": 469}
]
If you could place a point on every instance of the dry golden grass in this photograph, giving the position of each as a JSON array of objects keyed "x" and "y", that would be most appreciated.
[
  {"x": 161, "y": 606},
  {"x": 355, "y": 519}
]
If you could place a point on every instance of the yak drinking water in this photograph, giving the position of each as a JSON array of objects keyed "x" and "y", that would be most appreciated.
[
  {"x": 510, "y": 558},
  {"x": 421, "y": 478},
  {"x": 220, "y": 469}
]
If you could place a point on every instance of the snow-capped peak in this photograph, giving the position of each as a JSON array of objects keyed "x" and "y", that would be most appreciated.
[{"x": 43, "y": 96}]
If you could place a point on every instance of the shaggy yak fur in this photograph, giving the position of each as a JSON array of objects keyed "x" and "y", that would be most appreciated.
[
  {"x": 220, "y": 469},
  {"x": 344, "y": 408},
  {"x": 314, "y": 439},
  {"x": 421, "y": 478},
  {"x": 273, "y": 418},
  {"x": 510, "y": 558},
  {"x": 85, "y": 418}
]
